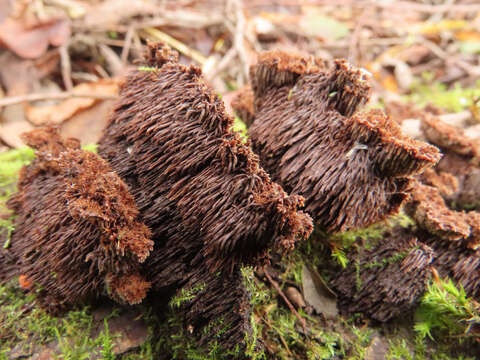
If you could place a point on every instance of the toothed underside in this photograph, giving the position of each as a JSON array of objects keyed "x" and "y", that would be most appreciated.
[
  {"x": 353, "y": 170},
  {"x": 75, "y": 228},
  {"x": 198, "y": 187},
  {"x": 381, "y": 284}
]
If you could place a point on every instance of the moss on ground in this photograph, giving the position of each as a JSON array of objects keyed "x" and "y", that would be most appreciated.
[{"x": 444, "y": 314}]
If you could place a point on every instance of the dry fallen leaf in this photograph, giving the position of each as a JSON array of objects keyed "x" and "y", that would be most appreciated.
[
  {"x": 10, "y": 133},
  {"x": 317, "y": 293},
  {"x": 24, "y": 282},
  {"x": 88, "y": 125},
  {"x": 30, "y": 42},
  {"x": 58, "y": 113}
]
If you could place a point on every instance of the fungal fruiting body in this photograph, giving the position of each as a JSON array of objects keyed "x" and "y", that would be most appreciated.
[
  {"x": 76, "y": 235},
  {"x": 461, "y": 161},
  {"x": 387, "y": 280},
  {"x": 353, "y": 169},
  {"x": 201, "y": 190}
]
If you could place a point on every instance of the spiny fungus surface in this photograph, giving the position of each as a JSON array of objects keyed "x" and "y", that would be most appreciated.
[
  {"x": 454, "y": 236},
  {"x": 243, "y": 105},
  {"x": 352, "y": 168},
  {"x": 200, "y": 189},
  {"x": 388, "y": 280},
  {"x": 76, "y": 227}
]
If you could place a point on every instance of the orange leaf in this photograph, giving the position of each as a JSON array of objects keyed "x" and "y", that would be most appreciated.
[
  {"x": 31, "y": 42},
  {"x": 58, "y": 113},
  {"x": 25, "y": 283}
]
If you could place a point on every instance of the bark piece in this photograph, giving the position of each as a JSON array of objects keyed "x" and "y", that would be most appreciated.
[
  {"x": 312, "y": 141},
  {"x": 76, "y": 228},
  {"x": 387, "y": 280},
  {"x": 201, "y": 190}
]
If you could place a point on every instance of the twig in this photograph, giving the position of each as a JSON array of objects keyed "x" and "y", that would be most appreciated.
[
  {"x": 53, "y": 96},
  {"x": 397, "y": 5},
  {"x": 222, "y": 64},
  {"x": 439, "y": 52},
  {"x": 127, "y": 44},
  {"x": 66, "y": 66},
  {"x": 284, "y": 297},
  {"x": 115, "y": 65},
  {"x": 181, "y": 47},
  {"x": 239, "y": 36},
  {"x": 282, "y": 339}
]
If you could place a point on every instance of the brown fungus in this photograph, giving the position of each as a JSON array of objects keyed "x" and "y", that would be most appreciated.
[
  {"x": 201, "y": 190},
  {"x": 352, "y": 168},
  {"x": 76, "y": 228},
  {"x": 453, "y": 235},
  {"x": 461, "y": 160},
  {"x": 243, "y": 105},
  {"x": 385, "y": 281},
  {"x": 429, "y": 210}
]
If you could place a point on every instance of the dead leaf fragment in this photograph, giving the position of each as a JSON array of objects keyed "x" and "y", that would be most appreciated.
[
  {"x": 317, "y": 294},
  {"x": 30, "y": 42},
  {"x": 295, "y": 297},
  {"x": 10, "y": 133},
  {"x": 58, "y": 113}
]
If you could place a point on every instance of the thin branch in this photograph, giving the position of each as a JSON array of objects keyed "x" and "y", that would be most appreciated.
[
  {"x": 54, "y": 96},
  {"x": 127, "y": 44},
  {"x": 66, "y": 66},
  {"x": 177, "y": 45},
  {"x": 284, "y": 297}
]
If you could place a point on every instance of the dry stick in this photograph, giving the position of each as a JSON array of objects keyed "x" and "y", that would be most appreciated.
[
  {"x": 284, "y": 297},
  {"x": 282, "y": 340},
  {"x": 177, "y": 45},
  {"x": 127, "y": 44},
  {"x": 55, "y": 96},
  {"x": 222, "y": 64},
  {"x": 239, "y": 36},
  {"x": 439, "y": 52},
  {"x": 400, "y": 5},
  {"x": 66, "y": 66}
]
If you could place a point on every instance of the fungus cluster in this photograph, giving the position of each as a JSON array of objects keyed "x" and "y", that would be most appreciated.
[
  {"x": 353, "y": 168},
  {"x": 388, "y": 280},
  {"x": 77, "y": 233},
  {"x": 201, "y": 190},
  {"x": 447, "y": 238}
]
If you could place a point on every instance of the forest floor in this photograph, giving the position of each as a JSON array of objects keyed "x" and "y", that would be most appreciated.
[{"x": 61, "y": 62}]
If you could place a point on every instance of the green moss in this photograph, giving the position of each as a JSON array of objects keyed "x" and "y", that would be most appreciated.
[
  {"x": 387, "y": 261},
  {"x": 399, "y": 350},
  {"x": 369, "y": 237},
  {"x": 186, "y": 295},
  {"x": 426, "y": 91},
  {"x": 241, "y": 127},
  {"x": 446, "y": 310},
  {"x": 24, "y": 323}
]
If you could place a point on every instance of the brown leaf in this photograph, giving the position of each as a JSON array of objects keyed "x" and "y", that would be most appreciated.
[
  {"x": 56, "y": 114},
  {"x": 30, "y": 42},
  {"x": 317, "y": 293},
  {"x": 87, "y": 125},
  {"x": 10, "y": 133}
]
